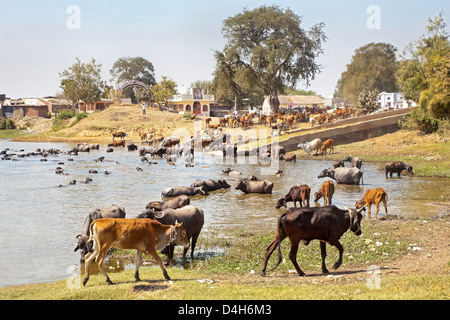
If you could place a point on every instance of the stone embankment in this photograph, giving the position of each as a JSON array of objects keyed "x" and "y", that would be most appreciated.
[{"x": 350, "y": 130}]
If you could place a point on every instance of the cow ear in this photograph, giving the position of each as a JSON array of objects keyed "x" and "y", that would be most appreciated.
[{"x": 78, "y": 236}]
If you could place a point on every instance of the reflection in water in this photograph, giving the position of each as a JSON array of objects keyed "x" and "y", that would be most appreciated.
[{"x": 41, "y": 220}]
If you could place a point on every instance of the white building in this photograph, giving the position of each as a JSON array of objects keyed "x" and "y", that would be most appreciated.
[
  {"x": 293, "y": 102},
  {"x": 393, "y": 100},
  {"x": 194, "y": 102}
]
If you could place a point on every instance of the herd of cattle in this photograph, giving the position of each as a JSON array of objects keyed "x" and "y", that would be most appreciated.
[{"x": 174, "y": 221}]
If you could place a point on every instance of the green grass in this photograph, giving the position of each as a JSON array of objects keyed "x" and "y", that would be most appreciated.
[{"x": 11, "y": 133}]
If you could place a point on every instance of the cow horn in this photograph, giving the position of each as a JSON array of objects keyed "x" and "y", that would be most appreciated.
[{"x": 361, "y": 209}]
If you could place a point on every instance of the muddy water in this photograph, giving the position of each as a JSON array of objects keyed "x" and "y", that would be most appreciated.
[{"x": 39, "y": 220}]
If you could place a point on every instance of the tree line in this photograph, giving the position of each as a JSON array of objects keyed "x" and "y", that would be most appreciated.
[{"x": 269, "y": 52}]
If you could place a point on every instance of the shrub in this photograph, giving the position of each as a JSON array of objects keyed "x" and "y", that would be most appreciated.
[
  {"x": 81, "y": 115},
  {"x": 418, "y": 119},
  {"x": 9, "y": 124},
  {"x": 2, "y": 124},
  {"x": 66, "y": 114}
]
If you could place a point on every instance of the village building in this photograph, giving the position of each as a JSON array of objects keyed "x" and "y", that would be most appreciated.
[
  {"x": 24, "y": 107},
  {"x": 55, "y": 105},
  {"x": 195, "y": 102},
  {"x": 94, "y": 105},
  {"x": 393, "y": 100},
  {"x": 292, "y": 102}
]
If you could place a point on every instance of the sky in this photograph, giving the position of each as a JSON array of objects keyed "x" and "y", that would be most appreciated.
[{"x": 40, "y": 39}]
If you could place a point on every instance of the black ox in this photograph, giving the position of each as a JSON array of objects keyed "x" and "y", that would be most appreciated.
[{"x": 327, "y": 224}]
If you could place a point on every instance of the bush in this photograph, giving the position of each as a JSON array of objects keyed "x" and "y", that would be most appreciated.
[
  {"x": 418, "y": 119},
  {"x": 10, "y": 124},
  {"x": 66, "y": 114},
  {"x": 7, "y": 124},
  {"x": 81, "y": 115}
]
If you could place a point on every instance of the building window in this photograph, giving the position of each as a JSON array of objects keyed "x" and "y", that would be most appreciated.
[
  {"x": 188, "y": 108},
  {"x": 205, "y": 108}
]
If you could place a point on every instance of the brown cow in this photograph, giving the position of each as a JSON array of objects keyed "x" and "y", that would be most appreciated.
[
  {"x": 328, "y": 144},
  {"x": 326, "y": 191},
  {"x": 373, "y": 196},
  {"x": 120, "y": 135},
  {"x": 144, "y": 235},
  {"x": 297, "y": 193},
  {"x": 117, "y": 144}
]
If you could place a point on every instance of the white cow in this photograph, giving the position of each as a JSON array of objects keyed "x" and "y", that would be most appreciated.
[{"x": 316, "y": 144}]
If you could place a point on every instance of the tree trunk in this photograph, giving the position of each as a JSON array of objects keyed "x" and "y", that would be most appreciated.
[{"x": 274, "y": 102}]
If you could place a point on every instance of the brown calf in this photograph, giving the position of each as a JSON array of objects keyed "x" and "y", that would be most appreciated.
[
  {"x": 144, "y": 235},
  {"x": 328, "y": 144},
  {"x": 117, "y": 144},
  {"x": 373, "y": 196},
  {"x": 326, "y": 191}
]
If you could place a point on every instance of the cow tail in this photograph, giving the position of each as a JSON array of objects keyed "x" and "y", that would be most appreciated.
[
  {"x": 91, "y": 236},
  {"x": 281, "y": 234}
]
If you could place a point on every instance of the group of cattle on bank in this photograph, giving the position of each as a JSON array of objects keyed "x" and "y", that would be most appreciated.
[{"x": 174, "y": 221}]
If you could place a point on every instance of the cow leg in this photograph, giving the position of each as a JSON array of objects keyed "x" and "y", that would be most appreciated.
[
  {"x": 369, "y": 205},
  {"x": 87, "y": 261},
  {"x": 100, "y": 259},
  {"x": 193, "y": 243},
  {"x": 385, "y": 206},
  {"x": 378, "y": 209},
  {"x": 293, "y": 256},
  {"x": 338, "y": 245},
  {"x": 323, "y": 252},
  {"x": 157, "y": 258},
  {"x": 138, "y": 263},
  {"x": 269, "y": 250}
]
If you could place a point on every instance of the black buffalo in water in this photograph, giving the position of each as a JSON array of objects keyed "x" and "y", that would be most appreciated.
[
  {"x": 211, "y": 184},
  {"x": 191, "y": 217},
  {"x": 398, "y": 167},
  {"x": 174, "y": 203},
  {"x": 109, "y": 212},
  {"x": 343, "y": 175},
  {"x": 189, "y": 191},
  {"x": 327, "y": 224}
]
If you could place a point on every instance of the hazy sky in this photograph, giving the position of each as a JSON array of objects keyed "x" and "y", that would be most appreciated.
[{"x": 39, "y": 39}]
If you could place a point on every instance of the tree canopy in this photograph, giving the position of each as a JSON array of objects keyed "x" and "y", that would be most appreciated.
[
  {"x": 424, "y": 73},
  {"x": 164, "y": 89},
  {"x": 373, "y": 67},
  {"x": 82, "y": 82},
  {"x": 268, "y": 48}
]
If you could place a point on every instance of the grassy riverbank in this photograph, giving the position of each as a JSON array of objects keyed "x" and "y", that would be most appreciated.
[
  {"x": 428, "y": 154},
  {"x": 411, "y": 266}
]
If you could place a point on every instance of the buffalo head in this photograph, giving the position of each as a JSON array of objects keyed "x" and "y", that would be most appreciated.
[
  {"x": 83, "y": 246},
  {"x": 326, "y": 173},
  {"x": 281, "y": 203},
  {"x": 409, "y": 169}
]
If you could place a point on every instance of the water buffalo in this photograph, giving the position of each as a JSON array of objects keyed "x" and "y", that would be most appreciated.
[
  {"x": 191, "y": 217},
  {"x": 252, "y": 186},
  {"x": 174, "y": 203},
  {"x": 189, "y": 191},
  {"x": 109, "y": 212},
  {"x": 297, "y": 193},
  {"x": 327, "y": 224},
  {"x": 354, "y": 161},
  {"x": 211, "y": 185},
  {"x": 398, "y": 167},
  {"x": 343, "y": 175}
]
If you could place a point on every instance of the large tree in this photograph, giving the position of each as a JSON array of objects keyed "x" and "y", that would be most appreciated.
[
  {"x": 136, "y": 68},
  {"x": 424, "y": 74},
  {"x": 373, "y": 67},
  {"x": 268, "y": 47},
  {"x": 82, "y": 82},
  {"x": 163, "y": 90}
]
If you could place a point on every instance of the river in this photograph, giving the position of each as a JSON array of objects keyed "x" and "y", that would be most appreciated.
[{"x": 40, "y": 219}]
